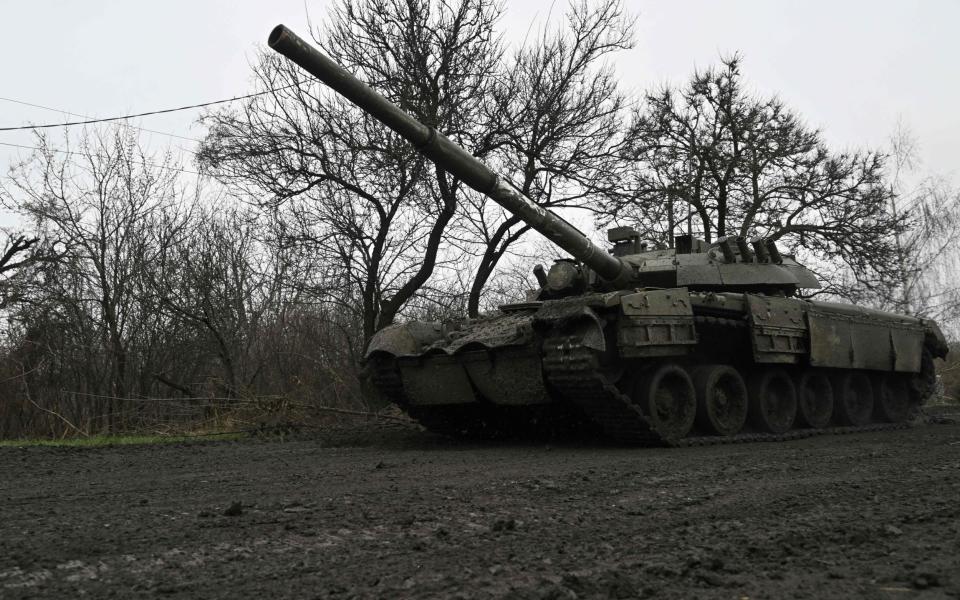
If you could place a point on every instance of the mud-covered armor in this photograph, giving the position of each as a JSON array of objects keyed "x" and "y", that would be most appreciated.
[{"x": 700, "y": 343}]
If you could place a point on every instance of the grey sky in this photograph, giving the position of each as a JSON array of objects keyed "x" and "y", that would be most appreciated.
[{"x": 850, "y": 67}]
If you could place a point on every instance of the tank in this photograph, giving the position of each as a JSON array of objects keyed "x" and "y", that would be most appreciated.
[{"x": 637, "y": 343}]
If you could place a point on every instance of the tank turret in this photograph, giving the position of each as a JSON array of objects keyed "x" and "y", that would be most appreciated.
[{"x": 729, "y": 264}]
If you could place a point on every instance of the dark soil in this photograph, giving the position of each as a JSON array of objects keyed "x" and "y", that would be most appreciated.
[{"x": 388, "y": 511}]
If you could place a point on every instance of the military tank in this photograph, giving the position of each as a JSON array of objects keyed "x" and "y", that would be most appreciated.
[{"x": 637, "y": 343}]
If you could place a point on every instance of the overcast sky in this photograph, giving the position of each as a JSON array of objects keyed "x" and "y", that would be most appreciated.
[{"x": 851, "y": 68}]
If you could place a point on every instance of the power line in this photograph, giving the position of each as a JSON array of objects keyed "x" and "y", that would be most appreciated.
[
  {"x": 140, "y": 162},
  {"x": 146, "y": 114},
  {"x": 67, "y": 112}
]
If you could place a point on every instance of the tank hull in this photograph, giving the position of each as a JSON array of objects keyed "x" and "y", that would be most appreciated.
[{"x": 659, "y": 366}]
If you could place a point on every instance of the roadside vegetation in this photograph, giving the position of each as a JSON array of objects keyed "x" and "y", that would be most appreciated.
[
  {"x": 99, "y": 441},
  {"x": 237, "y": 285}
]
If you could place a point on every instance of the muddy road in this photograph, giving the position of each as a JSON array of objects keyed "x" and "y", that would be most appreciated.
[{"x": 380, "y": 511}]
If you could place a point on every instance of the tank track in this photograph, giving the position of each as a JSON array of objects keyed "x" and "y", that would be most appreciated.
[{"x": 573, "y": 371}]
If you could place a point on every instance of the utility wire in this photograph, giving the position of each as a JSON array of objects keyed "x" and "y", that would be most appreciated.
[
  {"x": 73, "y": 114},
  {"x": 146, "y": 114},
  {"x": 139, "y": 162}
]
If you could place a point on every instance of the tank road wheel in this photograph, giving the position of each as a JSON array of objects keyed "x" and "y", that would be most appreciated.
[
  {"x": 721, "y": 399},
  {"x": 667, "y": 397},
  {"x": 891, "y": 398},
  {"x": 773, "y": 400},
  {"x": 814, "y": 399},
  {"x": 853, "y": 398}
]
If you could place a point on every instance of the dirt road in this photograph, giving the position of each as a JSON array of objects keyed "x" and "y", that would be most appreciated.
[{"x": 388, "y": 512}]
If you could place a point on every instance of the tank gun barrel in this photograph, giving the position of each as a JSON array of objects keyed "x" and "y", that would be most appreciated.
[{"x": 447, "y": 155}]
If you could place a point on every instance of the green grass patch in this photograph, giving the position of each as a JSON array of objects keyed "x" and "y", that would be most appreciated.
[{"x": 97, "y": 441}]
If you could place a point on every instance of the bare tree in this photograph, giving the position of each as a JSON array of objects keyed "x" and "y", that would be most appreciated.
[
  {"x": 220, "y": 280},
  {"x": 553, "y": 123},
  {"x": 149, "y": 301},
  {"x": 748, "y": 166},
  {"x": 20, "y": 251},
  {"x": 16, "y": 252},
  {"x": 104, "y": 202},
  {"x": 370, "y": 209},
  {"x": 928, "y": 254},
  {"x": 99, "y": 207}
]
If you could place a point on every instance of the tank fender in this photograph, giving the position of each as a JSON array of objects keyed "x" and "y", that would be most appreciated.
[
  {"x": 590, "y": 331},
  {"x": 933, "y": 339},
  {"x": 404, "y": 338},
  {"x": 576, "y": 321}
]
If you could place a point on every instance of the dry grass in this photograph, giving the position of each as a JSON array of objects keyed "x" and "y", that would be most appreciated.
[{"x": 96, "y": 441}]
